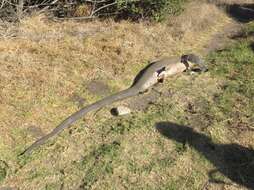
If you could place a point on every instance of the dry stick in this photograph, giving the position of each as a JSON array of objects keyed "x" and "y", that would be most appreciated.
[
  {"x": 76, "y": 18},
  {"x": 20, "y": 8},
  {"x": 29, "y": 6},
  {"x": 2, "y": 4},
  {"x": 105, "y": 6},
  {"x": 10, "y": 3},
  {"x": 95, "y": 1},
  {"x": 54, "y": 2},
  {"x": 94, "y": 7}
]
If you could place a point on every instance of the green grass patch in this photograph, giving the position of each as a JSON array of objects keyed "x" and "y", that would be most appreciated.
[
  {"x": 235, "y": 66},
  {"x": 3, "y": 170},
  {"x": 98, "y": 163}
]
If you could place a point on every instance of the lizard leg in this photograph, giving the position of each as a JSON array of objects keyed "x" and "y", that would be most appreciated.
[
  {"x": 161, "y": 77},
  {"x": 157, "y": 91}
]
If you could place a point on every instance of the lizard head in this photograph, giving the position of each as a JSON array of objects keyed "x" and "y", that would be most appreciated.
[{"x": 192, "y": 60}]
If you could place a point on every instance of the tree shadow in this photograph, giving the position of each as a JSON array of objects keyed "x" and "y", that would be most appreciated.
[
  {"x": 252, "y": 46},
  {"x": 232, "y": 160},
  {"x": 241, "y": 12}
]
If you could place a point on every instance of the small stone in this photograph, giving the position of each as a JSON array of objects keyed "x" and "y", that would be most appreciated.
[{"x": 120, "y": 110}]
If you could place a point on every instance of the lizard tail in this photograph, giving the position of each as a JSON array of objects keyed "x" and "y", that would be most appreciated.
[{"x": 77, "y": 115}]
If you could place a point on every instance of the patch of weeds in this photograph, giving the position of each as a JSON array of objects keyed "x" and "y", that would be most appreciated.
[
  {"x": 180, "y": 148},
  {"x": 249, "y": 28},
  {"x": 132, "y": 167},
  {"x": 52, "y": 186},
  {"x": 166, "y": 162},
  {"x": 23, "y": 160},
  {"x": 37, "y": 174},
  {"x": 171, "y": 185},
  {"x": 200, "y": 113},
  {"x": 109, "y": 150},
  {"x": 216, "y": 177},
  {"x": 98, "y": 163},
  {"x": 162, "y": 109},
  {"x": 20, "y": 136},
  {"x": 235, "y": 67},
  {"x": 195, "y": 177},
  {"x": 120, "y": 126},
  {"x": 3, "y": 170},
  {"x": 207, "y": 148},
  {"x": 148, "y": 167}
]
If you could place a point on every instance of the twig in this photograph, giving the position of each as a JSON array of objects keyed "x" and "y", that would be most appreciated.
[
  {"x": 2, "y": 4},
  {"x": 20, "y": 8},
  {"x": 76, "y": 18},
  {"x": 95, "y": 1},
  {"x": 54, "y": 2},
  {"x": 204, "y": 187},
  {"x": 103, "y": 7}
]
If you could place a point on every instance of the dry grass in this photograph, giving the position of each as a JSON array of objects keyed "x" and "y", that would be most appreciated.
[{"x": 46, "y": 63}]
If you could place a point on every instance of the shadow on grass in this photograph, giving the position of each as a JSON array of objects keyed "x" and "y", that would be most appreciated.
[
  {"x": 241, "y": 12},
  {"x": 232, "y": 160},
  {"x": 252, "y": 46}
]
